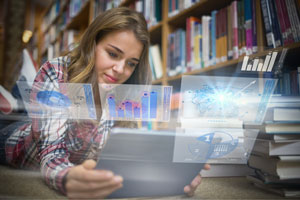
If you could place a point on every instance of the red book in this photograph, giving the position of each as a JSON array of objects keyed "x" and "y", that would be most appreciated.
[
  {"x": 288, "y": 27},
  {"x": 281, "y": 21}
]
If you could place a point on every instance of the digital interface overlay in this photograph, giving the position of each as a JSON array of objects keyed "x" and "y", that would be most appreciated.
[
  {"x": 238, "y": 98},
  {"x": 223, "y": 145},
  {"x": 136, "y": 102},
  {"x": 63, "y": 100},
  {"x": 213, "y": 110}
]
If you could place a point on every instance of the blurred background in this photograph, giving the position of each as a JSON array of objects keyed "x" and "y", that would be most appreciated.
[{"x": 18, "y": 20}]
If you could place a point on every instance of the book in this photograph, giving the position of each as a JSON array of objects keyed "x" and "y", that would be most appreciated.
[
  {"x": 283, "y": 190},
  {"x": 248, "y": 26},
  {"x": 281, "y": 127},
  {"x": 272, "y": 148},
  {"x": 289, "y": 183},
  {"x": 294, "y": 6},
  {"x": 206, "y": 40},
  {"x": 213, "y": 37},
  {"x": 275, "y": 24},
  {"x": 224, "y": 34},
  {"x": 286, "y": 114},
  {"x": 254, "y": 26},
  {"x": 268, "y": 178},
  {"x": 279, "y": 138},
  {"x": 229, "y": 33},
  {"x": 235, "y": 35},
  {"x": 284, "y": 101},
  {"x": 269, "y": 30},
  {"x": 288, "y": 27},
  {"x": 285, "y": 167},
  {"x": 292, "y": 19},
  {"x": 157, "y": 62}
]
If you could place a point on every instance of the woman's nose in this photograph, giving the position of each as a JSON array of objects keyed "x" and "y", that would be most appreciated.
[{"x": 119, "y": 66}]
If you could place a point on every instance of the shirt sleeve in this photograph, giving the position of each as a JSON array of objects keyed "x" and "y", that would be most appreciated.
[{"x": 50, "y": 132}]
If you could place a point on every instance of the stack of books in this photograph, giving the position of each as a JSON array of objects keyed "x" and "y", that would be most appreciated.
[{"x": 276, "y": 153}]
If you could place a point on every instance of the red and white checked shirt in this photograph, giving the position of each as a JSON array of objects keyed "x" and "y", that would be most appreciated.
[{"x": 55, "y": 145}]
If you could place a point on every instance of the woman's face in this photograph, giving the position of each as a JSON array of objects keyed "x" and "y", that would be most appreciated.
[{"x": 117, "y": 55}]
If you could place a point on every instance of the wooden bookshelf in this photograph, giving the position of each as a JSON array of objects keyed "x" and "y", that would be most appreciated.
[{"x": 159, "y": 32}]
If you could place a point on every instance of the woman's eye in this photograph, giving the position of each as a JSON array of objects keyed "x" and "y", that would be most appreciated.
[
  {"x": 131, "y": 64},
  {"x": 113, "y": 55}
]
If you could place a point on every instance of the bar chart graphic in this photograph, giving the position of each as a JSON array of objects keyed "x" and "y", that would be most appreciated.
[
  {"x": 136, "y": 102},
  {"x": 268, "y": 63}
]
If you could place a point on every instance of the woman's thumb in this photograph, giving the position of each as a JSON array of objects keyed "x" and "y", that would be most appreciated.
[{"x": 89, "y": 164}]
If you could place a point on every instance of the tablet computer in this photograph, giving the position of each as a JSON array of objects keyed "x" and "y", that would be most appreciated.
[{"x": 145, "y": 161}]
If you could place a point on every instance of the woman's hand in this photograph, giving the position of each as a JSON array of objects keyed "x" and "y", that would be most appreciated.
[
  {"x": 190, "y": 189},
  {"x": 83, "y": 181}
]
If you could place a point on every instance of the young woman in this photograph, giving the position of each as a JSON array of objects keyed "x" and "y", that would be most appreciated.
[{"x": 113, "y": 50}]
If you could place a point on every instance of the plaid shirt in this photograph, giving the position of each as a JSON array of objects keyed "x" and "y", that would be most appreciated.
[{"x": 55, "y": 145}]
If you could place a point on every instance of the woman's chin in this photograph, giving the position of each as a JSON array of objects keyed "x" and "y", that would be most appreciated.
[{"x": 107, "y": 86}]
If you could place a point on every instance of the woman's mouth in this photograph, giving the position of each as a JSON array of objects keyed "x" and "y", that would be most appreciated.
[{"x": 111, "y": 79}]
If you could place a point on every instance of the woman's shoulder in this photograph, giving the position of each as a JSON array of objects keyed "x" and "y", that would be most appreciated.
[
  {"x": 58, "y": 63},
  {"x": 54, "y": 68}
]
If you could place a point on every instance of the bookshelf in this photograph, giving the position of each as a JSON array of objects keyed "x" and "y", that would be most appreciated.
[{"x": 159, "y": 32}]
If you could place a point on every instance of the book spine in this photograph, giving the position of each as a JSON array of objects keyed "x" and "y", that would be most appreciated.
[
  {"x": 243, "y": 48},
  {"x": 224, "y": 35},
  {"x": 196, "y": 63},
  {"x": 218, "y": 37},
  {"x": 206, "y": 40},
  {"x": 182, "y": 49},
  {"x": 275, "y": 24},
  {"x": 248, "y": 26},
  {"x": 213, "y": 36},
  {"x": 281, "y": 21},
  {"x": 201, "y": 45},
  {"x": 254, "y": 26},
  {"x": 298, "y": 79},
  {"x": 235, "y": 35},
  {"x": 152, "y": 66},
  {"x": 188, "y": 44},
  {"x": 229, "y": 29},
  {"x": 288, "y": 28},
  {"x": 297, "y": 16},
  {"x": 267, "y": 23},
  {"x": 292, "y": 20}
]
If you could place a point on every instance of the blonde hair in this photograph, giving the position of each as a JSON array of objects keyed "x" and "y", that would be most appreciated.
[{"x": 82, "y": 58}]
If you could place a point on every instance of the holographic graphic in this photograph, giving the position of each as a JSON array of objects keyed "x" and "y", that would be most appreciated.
[
  {"x": 136, "y": 102},
  {"x": 63, "y": 100},
  {"x": 239, "y": 98},
  {"x": 224, "y": 145}
]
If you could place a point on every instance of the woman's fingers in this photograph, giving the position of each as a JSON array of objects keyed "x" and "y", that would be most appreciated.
[
  {"x": 97, "y": 194},
  {"x": 80, "y": 173},
  {"x": 190, "y": 189},
  {"x": 82, "y": 186},
  {"x": 207, "y": 167}
]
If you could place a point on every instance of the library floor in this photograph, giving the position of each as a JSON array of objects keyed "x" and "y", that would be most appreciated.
[{"x": 20, "y": 184}]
